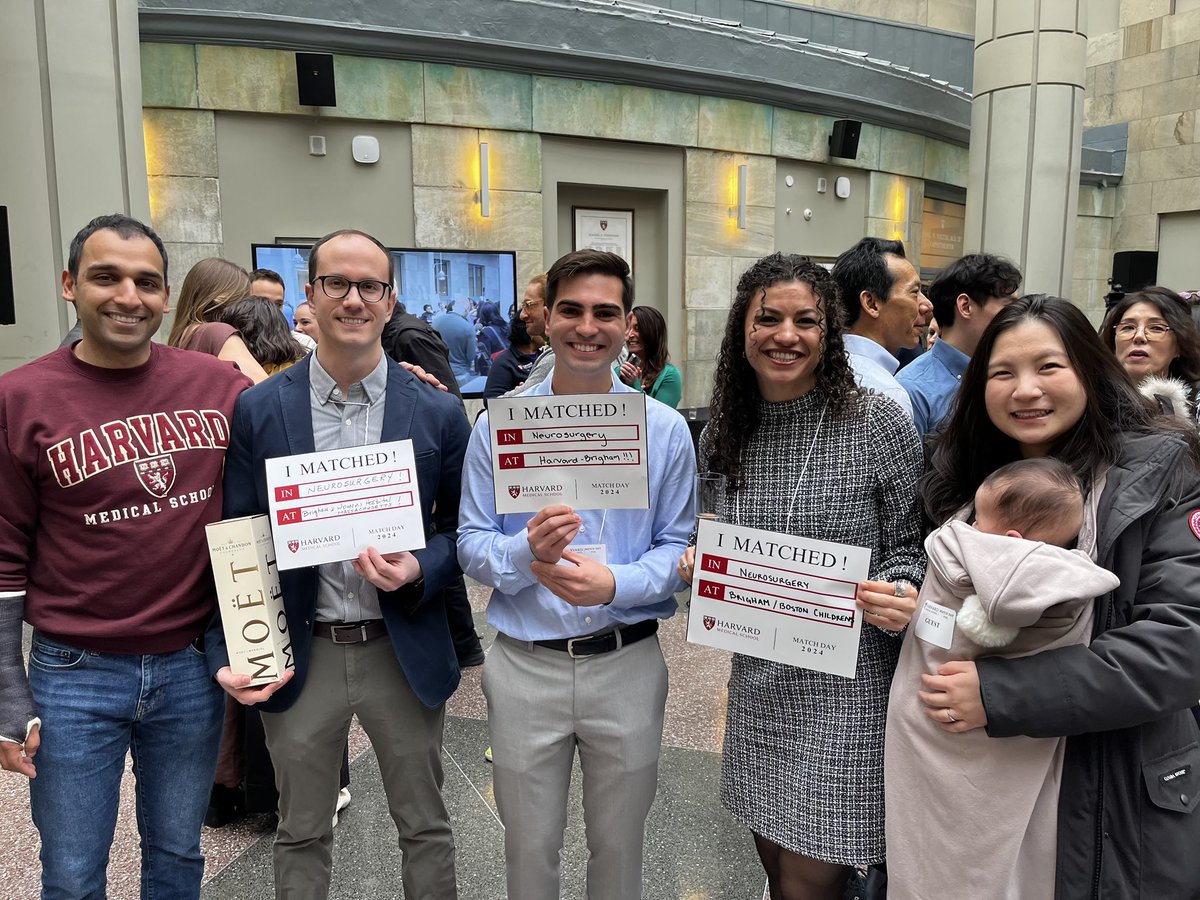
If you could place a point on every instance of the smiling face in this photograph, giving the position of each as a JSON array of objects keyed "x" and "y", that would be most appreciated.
[
  {"x": 586, "y": 330},
  {"x": 306, "y": 322},
  {"x": 633, "y": 340},
  {"x": 902, "y": 319},
  {"x": 784, "y": 330},
  {"x": 120, "y": 296},
  {"x": 533, "y": 306},
  {"x": 1139, "y": 355},
  {"x": 350, "y": 326},
  {"x": 1033, "y": 393}
]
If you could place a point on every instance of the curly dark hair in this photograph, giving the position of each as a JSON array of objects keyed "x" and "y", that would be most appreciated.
[
  {"x": 735, "y": 410},
  {"x": 970, "y": 446}
]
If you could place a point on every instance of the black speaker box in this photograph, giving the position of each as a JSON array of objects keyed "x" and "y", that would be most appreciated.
[
  {"x": 314, "y": 78},
  {"x": 8, "y": 299},
  {"x": 1134, "y": 269},
  {"x": 843, "y": 143}
]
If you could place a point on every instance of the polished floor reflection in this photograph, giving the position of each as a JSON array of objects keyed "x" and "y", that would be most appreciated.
[{"x": 694, "y": 851}]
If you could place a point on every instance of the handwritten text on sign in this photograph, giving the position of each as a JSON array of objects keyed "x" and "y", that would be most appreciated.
[
  {"x": 330, "y": 506},
  {"x": 585, "y": 450},
  {"x": 778, "y": 597}
]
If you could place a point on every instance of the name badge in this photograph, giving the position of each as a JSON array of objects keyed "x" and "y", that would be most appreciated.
[
  {"x": 598, "y": 552},
  {"x": 935, "y": 624}
]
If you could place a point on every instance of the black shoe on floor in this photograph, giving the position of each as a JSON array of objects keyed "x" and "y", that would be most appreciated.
[{"x": 225, "y": 806}]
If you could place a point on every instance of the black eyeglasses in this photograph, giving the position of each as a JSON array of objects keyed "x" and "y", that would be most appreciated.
[{"x": 337, "y": 287}]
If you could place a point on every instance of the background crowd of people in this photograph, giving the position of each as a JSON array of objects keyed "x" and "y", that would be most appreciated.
[{"x": 1022, "y": 719}]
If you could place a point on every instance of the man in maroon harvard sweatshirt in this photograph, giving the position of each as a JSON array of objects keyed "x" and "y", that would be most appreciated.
[{"x": 111, "y": 453}]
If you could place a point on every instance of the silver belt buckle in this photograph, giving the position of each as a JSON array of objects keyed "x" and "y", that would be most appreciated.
[
  {"x": 571, "y": 648},
  {"x": 337, "y": 629}
]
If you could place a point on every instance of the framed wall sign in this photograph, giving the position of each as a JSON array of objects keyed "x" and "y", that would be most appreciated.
[{"x": 604, "y": 229}]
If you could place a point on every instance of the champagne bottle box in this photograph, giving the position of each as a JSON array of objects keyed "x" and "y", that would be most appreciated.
[{"x": 249, "y": 598}]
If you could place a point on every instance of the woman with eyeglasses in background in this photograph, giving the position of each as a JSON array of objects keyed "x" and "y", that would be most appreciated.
[{"x": 1155, "y": 339}]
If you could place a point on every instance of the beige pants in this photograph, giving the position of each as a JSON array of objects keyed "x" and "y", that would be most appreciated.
[
  {"x": 542, "y": 706},
  {"x": 306, "y": 743}
]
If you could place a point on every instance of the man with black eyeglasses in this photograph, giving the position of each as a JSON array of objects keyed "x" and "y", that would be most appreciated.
[{"x": 369, "y": 636}]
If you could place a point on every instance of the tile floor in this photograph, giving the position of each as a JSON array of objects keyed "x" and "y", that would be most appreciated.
[{"x": 694, "y": 851}]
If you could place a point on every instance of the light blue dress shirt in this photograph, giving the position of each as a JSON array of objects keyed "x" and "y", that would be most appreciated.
[
  {"x": 642, "y": 546},
  {"x": 931, "y": 381},
  {"x": 875, "y": 368}
]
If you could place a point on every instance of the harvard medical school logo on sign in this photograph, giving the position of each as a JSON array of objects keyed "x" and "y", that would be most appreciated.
[
  {"x": 293, "y": 546},
  {"x": 1194, "y": 523},
  {"x": 514, "y": 491},
  {"x": 157, "y": 475},
  {"x": 709, "y": 622}
]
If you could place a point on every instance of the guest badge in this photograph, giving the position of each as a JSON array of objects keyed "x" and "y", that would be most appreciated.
[
  {"x": 330, "y": 506},
  {"x": 778, "y": 597},
  {"x": 935, "y": 624},
  {"x": 585, "y": 450}
]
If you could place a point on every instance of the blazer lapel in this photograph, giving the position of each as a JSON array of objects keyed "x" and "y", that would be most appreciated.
[
  {"x": 400, "y": 404},
  {"x": 296, "y": 408}
]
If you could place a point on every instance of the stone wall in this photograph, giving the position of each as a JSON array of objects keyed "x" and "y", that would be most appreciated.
[
  {"x": 1146, "y": 73},
  {"x": 449, "y": 109}
]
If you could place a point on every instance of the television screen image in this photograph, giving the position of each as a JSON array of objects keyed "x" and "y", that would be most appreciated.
[{"x": 468, "y": 296}]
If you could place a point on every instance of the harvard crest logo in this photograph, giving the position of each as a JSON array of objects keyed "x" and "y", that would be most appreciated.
[
  {"x": 709, "y": 622},
  {"x": 157, "y": 474},
  {"x": 293, "y": 546},
  {"x": 514, "y": 491},
  {"x": 604, "y": 224},
  {"x": 1194, "y": 523}
]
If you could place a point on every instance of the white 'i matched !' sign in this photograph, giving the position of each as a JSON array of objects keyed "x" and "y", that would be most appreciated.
[
  {"x": 778, "y": 597},
  {"x": 585, "y": 450}
]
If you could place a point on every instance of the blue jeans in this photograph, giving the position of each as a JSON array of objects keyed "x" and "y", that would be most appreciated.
[{"x": 94, "y": 708}]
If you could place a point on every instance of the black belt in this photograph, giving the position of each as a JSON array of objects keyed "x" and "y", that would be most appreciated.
[
  {"x": 595, "y": 644},
  {"x": 350, "y": 632}
]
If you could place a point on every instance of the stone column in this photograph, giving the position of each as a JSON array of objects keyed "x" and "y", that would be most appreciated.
[
  {"x": 1026, "y": 133},
  {"x": 71, "y": 91}
]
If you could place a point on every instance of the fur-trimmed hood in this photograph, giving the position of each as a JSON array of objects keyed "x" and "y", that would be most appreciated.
[{"x": 1170, "y": 394}]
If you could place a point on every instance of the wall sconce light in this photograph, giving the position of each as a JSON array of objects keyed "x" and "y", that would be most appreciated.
[
  {"x": 485, "y": 206},
  {"x": 741, "y": 197}
]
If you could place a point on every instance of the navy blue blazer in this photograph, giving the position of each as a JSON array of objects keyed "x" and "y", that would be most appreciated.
[{"x": 275, "y": 419}]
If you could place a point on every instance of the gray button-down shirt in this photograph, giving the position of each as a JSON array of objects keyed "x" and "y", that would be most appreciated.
[{"x": 339, "y": 422}]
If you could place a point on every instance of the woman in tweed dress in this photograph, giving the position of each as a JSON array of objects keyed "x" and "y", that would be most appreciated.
[{"x": 805, "y": 452}]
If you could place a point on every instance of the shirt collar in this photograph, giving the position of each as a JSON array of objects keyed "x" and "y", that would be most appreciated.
[
  {"x": 323, "y": 385},
  {"x": 952, "y": 358},
  {"x": 864, "y": 346},
  {"x": 543, "y": 388}
]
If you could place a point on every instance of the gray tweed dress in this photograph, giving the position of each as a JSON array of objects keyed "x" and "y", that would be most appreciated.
[{"x": 803, "y": 760}]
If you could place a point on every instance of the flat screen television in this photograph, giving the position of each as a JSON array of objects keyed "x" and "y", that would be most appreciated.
[{"x": 479, "y": 286}]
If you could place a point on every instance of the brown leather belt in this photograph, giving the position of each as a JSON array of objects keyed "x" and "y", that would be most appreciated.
[
  {"x": 595, "y": 644},
  {"x": 350, "y": 632}
]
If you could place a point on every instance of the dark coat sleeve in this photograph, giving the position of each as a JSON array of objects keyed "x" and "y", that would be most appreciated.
[
  {"x": 1146, "y": 666},
  {"x": 422, "y": 346}
]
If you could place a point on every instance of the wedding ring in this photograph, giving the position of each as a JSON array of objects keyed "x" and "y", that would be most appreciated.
[
  {"x": 950, "y": 717},
  {"x": 683, "y": 567},
  {"x": 902, "y": 587}
]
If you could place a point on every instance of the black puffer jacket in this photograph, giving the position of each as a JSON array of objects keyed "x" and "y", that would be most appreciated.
[{"x": 1128, "y": 823}]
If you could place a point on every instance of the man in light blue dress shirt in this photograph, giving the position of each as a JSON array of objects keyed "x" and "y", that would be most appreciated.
[
  {"x": 577, "y": 664},
  {"x": 885, "y": 312},
  {"x": 966, "y": 296}
]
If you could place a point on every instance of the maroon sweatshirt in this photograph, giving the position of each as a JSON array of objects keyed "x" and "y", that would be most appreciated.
[{"x": 107, "y": 479}]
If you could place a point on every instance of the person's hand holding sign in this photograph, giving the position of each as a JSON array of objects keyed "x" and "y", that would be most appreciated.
[
  {"x": 550, "y": 530},
  {"x": 686, "y": 567},
  {"x": 887, "y": 605},
  {"x": 583, "y": 582},
  {"x": 387, "y": 571}
]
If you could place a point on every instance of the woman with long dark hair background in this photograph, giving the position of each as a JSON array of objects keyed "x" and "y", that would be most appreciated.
[{"x": 649, "y": 366}]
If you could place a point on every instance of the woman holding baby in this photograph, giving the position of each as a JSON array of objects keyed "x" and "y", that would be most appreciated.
[{"x": 1113, "y": 814}]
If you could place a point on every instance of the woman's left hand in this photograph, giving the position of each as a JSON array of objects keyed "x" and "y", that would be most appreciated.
[
  {"x": 887, "y": 605},
  {"x": 952, "y": 697}
]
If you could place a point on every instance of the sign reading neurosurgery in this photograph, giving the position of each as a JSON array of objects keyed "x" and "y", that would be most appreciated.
[
  {"x": 330, "y": 506},
  {"x": 778, "y": 597},
  {"x": 585, "y": 450}
]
